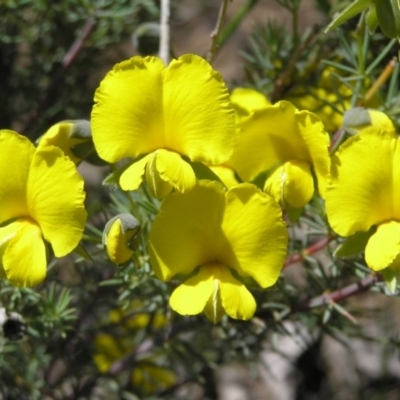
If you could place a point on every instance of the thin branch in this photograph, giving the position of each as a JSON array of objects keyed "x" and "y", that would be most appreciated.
[
  {"x": 340, "y": 294},
  {"x": 217, "y": 31},
  {"x": 313, "y": 248},
  {"x": 68, "y": 59},
  {"x": 164, "y": 31}
]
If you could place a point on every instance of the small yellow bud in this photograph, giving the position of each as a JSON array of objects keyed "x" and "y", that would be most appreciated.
[{"x": 120, "y": 238}]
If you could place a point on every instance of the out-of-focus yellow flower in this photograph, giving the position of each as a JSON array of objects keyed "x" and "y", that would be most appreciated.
[
  {"x": 218, "y": 236},
  {"x": 120, "y": 237},
  {"x": 147, "y": 373},
  {"x": 290, "y": 146},
  {"x": 41, "y": 199},
  {"x": 364, "y": 192},
  {"x": 161, "y": 114}
]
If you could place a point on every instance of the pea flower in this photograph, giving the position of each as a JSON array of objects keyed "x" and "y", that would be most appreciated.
[
  {"x": 218, "y": 237},
  {"x": 363, "y": 195},
  {"x": 41, "y": 199},
  {"x": 163, "y": 117},
  {"x": 290, "y": 147},
  {"x": 120, "y": 236}
]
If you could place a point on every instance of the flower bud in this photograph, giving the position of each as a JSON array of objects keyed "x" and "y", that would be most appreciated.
[
  {"x": 120, "y": 237},
  {"x": 74, "y": 138},
  {"x": 359, "y": 118}
]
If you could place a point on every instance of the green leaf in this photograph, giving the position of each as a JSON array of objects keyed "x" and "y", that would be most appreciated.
[
  {"x": 80, "y": 250},
  {"x": 372, "y": 19},
  {"x": 354, "y": 244},
  {"x": 349, "y": 12},
  {"x": 388, "y": 14},
  {"x": 391, "y": 278}
]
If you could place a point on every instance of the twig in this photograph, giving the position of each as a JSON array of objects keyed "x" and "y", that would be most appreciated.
[
  {"x": 282, "y": 80},
  {"x": 216, "y": 32},
  {"x": 340, "y": 294},
  {"x": 68, "y": 59},
  {"x": 313, "y": 248},
  {"x": 382, "y": 78},
  {"x": 164, "y": 31}
]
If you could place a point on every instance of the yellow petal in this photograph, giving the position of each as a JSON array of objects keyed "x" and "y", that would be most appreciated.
[
  {"x": 384, "y": 246},
  {"x": 226, "y": 174},
  {"x": 23, "y": 253},
  {"x": 292, "y": 184},
  {"x": 256, "y": 232},
  {"x": 158, "y": 187},
  {"x": 199, "y": 118},
  {"x": 174, "y": 170},
  {"x": 187, "y": 231},
  {"x": 15, "y": 159},
  {"x": 127, "y": 118},
  {"x": 56, "y": 199},
  {"x": 237, "y": 301},
  {"x": 191, "y": 296},
  {"x": 141, "y": 107},
  {"x": 132, "y": 177},
  {"x": 246, "y": 100},
  {"x": 365, "y": 183}
]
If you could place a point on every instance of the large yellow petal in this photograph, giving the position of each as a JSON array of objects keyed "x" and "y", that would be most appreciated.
[
  {"x": 237, "y": 301},
  {"x": 199, "y": 118},
  {"x": 257, "y": 234},
  {"x": 187, "y": 231},
  {"x": 365, "y": 183},
  {"x": 23, "y": 253},
  {"x": 127, "y": 118},
  {"x": 56, "y": 199},
  {"x": 16, "y": 152},
  {"x": 383, "y": 246},
  {"x": 292, "y": 184},
  {"x": 191, "y": 296}
]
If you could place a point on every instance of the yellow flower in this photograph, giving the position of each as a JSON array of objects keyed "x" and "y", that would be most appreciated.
[
  {"x": 119, "y": 237},
  {"x": 219, "y": 236},
  {"x": 364, "y": 192},
  {"x": 144, "y": 109},
  {"x": 288, "y": 144},
  {"x": 74, "y": 138},
  {"x": 41, "y": 197}
]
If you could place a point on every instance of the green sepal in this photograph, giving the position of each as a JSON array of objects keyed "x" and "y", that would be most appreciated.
[
  {"x": 354, "y": 244},
  {"x": 391, "y": 277},
  {"x": 294, "y": 214},
  {"x": 388, "y": 14},
  {"x": 203, "y": 172},
  {"x": 372, "y": 19},
  {"x": 81, "y": 251},
  {"x": 349, "y": 12},
  {"x": 113, "y": 179},
  {"x": 355, "y": 119},
  {"x": 80, "y": 129}
]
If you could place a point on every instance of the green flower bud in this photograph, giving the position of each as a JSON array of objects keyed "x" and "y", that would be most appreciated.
[
  {"x": 146, "y": 38},
  {"x": 120, "y": 237}
]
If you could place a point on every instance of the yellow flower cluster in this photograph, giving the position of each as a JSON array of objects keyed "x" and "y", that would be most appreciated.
[
  {"x": 210, "y": 236},
  {"x": 225, "y": 166}
]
